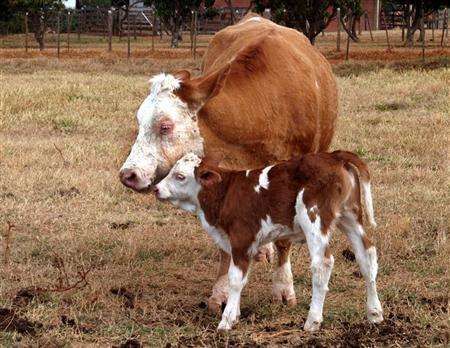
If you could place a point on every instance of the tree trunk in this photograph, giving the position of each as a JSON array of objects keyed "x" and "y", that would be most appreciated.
[
  {"x": 176, "y": 31},
  {"x": 413, "y": 27},
  {"x": 37, "y": 24}
]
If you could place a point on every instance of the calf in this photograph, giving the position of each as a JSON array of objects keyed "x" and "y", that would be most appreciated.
[{"x": 297, "y": 200}]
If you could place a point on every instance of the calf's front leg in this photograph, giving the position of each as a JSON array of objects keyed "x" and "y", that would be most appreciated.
[{"x": 237, "y": 278}]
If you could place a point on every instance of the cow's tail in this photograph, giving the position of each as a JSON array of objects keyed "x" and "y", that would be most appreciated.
[{"x": 362, "y": 176}]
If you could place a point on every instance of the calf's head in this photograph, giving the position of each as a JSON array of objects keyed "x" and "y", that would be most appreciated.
[
  {"x": 185, "y": 180},
  {"x": 167, "y": 126}
]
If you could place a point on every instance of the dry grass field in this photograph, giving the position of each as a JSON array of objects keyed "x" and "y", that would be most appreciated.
[{"x": 85, "y": 261}]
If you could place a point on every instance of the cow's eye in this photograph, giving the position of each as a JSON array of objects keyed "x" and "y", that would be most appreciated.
[
  {"x": 180, "y": 177},
  {"x": 165, "y": 128}
]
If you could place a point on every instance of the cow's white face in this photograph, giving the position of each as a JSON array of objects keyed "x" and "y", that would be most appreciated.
[
  {"x": 167, "y": 130},
  {"x": 180, "y": 187}
]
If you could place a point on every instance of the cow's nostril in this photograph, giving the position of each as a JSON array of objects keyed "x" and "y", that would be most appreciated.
[{"x": 128, "y": 177}]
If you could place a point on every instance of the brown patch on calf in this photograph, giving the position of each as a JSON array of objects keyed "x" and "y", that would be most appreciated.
[{"x": 366, "y": 242}]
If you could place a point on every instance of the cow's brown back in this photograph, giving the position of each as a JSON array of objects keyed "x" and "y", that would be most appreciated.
[{"x": 279, "y": 99}]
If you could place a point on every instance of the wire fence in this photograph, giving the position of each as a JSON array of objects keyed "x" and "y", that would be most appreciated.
[{"x": 64, "y": 30}]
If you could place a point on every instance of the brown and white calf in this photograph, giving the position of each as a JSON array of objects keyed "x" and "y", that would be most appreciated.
[{"x": 297, "y": 200}]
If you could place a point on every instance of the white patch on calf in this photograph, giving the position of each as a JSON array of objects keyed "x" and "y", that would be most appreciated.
[
  {"x": 219, "y": 237},
  {"x": 247, "y": 173},
  {"x": 268, "y": 232},
  {"x": 263, "y": 180}
]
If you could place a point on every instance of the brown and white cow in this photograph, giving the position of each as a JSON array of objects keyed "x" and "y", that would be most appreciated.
[
  {"x": 265, "y": 95},
  {"x": 300, "y": 199}
]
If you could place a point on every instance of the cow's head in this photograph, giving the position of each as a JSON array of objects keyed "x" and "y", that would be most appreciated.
[{"x": 168, "y": 129}]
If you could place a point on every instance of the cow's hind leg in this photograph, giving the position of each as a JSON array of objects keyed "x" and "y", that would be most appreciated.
[
  {"x": 366, "y": 256},
  {"x": 237, "y": 278},
  {"x": 220, "y": 289},
  {"x": 283, "y": 284}
]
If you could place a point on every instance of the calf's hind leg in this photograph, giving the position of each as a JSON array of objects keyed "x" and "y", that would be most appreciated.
[
  {"x": 366, "y": 256},
  {"x": 321, "y": 262}
]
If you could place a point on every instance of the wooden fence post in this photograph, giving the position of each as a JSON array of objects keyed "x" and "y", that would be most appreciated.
[
  {"x": 134, "y": 26},
  {"x": 78, "y": 24},
  {"x": 192, "y": 31},
  {"x": 26, "y": 31},
  {"x": 128, "y": 36},
  {"x": 195, "y": 35},
  {"x": 369, "y": 25},
  {"x": 58, "y": 29},
  {"x": 444, "y": 25},
  {"x": 348, "y": 37},
  {"x": 423, "y": 38},
  {"x": 110, "y": 27},
  {"x": 386, "y": 30},
  {"x": 153, "y": 30},
  {"x": 338, "y": 37},
  {"x": 69, "y": 24}
]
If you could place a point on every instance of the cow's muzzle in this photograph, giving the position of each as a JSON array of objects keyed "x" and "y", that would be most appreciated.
[{"x": 134, "y": 179}]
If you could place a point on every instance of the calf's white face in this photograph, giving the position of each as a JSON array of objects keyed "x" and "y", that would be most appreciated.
[
  {"x": 180, "y": 187},
  {"x": 167, "y": 130}
]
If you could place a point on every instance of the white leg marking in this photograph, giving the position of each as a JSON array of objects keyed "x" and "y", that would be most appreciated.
[
  {"x": 247, "y": 173},
  {"x": 283, "y": 284},
  {"x": 368, "y": 203},
  {"x": 263, "y": 180},
  {"x": 368, "y": 264},
  {"x": 320, "y": 265},
  {"x": 237, "y": 281}
]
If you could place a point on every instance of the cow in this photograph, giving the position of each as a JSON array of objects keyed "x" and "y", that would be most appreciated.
[
  {"x": 265, "y": 95},
  {"x": 303, "y": 199}
]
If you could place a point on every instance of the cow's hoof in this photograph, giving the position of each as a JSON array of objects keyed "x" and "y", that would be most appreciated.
[
  {"x": 265, "y": 253},
  {"x": 284, "y": 298},
  {"x": 375, "y": 316},
  {"x": 215, "y": 306},
  {"x": 312, "y": 325}
]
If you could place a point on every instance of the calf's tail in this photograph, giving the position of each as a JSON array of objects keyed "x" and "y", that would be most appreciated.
[{"x": 363, "y": 177}]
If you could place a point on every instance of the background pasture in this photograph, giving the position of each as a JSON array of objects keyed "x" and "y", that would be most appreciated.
[{"x": 86, "y": 261}]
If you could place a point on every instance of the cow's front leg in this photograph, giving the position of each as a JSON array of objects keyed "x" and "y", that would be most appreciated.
[
  {"x": 237, "y": 277},
  {"x": 219, "y": 294},
  {"x": 283, "y": 284}
]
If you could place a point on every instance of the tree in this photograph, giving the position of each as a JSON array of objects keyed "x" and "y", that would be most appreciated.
[
  {"x": 173, "y": 14},
  {"x": 311, "y": 16},
  {"x": 38, "y": 15},
  {"x": 414, "y": 11}
]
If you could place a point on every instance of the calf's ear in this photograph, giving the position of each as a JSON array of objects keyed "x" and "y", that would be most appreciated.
[
  {"x": 209, "y": 177},
  {"x": 199, "y": 90}
]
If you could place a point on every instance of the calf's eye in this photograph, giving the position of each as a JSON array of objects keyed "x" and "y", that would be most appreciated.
[{"x": 180, "y": 177}]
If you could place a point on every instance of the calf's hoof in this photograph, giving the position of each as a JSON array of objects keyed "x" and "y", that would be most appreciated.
[
  {"x": 224, "y": 325},
  {"x": 312, "y": 325},
  {"x": 374, "y": 315}
]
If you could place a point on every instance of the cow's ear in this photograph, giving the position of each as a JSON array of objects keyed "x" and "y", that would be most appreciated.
[
  {"x": 182, "y": 75},
  {"x": 198, "y": 91},
  {"x": 208, "y": 177}
]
